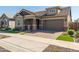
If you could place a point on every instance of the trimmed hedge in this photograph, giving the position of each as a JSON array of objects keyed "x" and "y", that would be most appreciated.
[{"x": 71, "y": 32}]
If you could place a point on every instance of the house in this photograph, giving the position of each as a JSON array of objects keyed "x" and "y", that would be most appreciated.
[
  {"x": 4, "y": 21},
  {"x": 11, "y": 23},
  {"x": 53, "y": 18},
  {"x": 7, "y": 22}
]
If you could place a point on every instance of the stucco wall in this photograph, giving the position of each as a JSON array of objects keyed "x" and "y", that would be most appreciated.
[
  {"x": 20, "y": 20},
  {"x": 12, "y": 24}
]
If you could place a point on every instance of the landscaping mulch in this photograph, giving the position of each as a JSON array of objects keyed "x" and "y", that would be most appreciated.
[{"x": 53, "y": 48}]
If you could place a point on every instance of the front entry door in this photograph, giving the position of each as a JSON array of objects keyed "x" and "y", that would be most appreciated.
[
  {"x": 28, "y": 24},
  {"x": 38, "y": 22}
]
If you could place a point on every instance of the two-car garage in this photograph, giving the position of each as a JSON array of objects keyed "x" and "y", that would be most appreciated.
[{"x": 56, "y": 25}]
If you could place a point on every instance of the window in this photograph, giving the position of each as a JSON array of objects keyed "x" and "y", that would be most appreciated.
[
  {"x": 52, "y": 10},
  {"x": 5, "y": 20},
  {"x": 18, "y": 22}
]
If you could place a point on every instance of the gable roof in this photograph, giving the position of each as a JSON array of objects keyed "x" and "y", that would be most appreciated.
[
  {"x": 41, "y": 13},
  {"x": 3, "y": 16},
  {"x": 24, "y": 12},
  {"x": 8, "y": 17}
]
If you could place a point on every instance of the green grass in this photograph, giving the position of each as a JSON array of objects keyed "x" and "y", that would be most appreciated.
[{"x": 66, "y": 38}]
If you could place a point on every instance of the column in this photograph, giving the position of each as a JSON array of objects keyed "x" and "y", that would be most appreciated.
[
  {"x": 34, "y": 24},
  {"x": 41, "y": 25},
  {"x": 22, "y": 24}
]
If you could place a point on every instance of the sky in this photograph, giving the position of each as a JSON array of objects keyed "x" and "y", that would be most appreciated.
[
  {"x": 12, "y": 10},
  {"x": 75, "y": 12}
]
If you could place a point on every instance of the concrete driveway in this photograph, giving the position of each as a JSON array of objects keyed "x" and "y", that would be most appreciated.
[
  {"x": 52, "y": 35},
  {"x": 22, "y": 45}
]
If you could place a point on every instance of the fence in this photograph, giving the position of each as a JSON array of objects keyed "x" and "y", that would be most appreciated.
[{"x": 74, "y": 25}]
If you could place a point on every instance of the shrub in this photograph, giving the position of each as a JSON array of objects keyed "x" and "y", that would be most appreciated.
[
  {"x": 8, "y": 29},
  {"x": 70, "y": 28},
  {"x": 71, "y": 32},
  {"x": 2, "y": 29},
  {"x": 77, "y": 34},
  {"x": 15, "y": 29}
]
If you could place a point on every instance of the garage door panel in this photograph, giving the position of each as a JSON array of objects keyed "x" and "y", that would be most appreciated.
[{"x": 54, "y": 24}]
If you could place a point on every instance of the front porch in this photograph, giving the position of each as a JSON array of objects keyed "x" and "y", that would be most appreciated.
[{"x": 31, "y": 24}]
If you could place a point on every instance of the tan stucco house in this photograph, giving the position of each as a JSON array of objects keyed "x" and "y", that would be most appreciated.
[{"x": 54, "y": 18}]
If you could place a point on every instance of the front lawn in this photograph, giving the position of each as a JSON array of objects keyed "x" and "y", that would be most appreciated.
[{"x": 66, "y": 38}]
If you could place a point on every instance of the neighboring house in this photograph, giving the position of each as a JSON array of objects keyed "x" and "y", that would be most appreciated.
[
  {"x": 4, "y": 21},
  {"x": 7, "y": 22},
  {"x": 11, "y": 23},
  {"x": 55, "y": 18}
]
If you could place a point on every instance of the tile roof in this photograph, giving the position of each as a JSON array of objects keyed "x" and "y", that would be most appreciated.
[
  {"x": 3, "y": 16},
  {"x": 63, "y": 12},
  {"x": 41, "y": 13}
]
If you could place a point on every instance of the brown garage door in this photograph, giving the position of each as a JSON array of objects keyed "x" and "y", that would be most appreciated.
[{"x": 54, "y": 25}]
